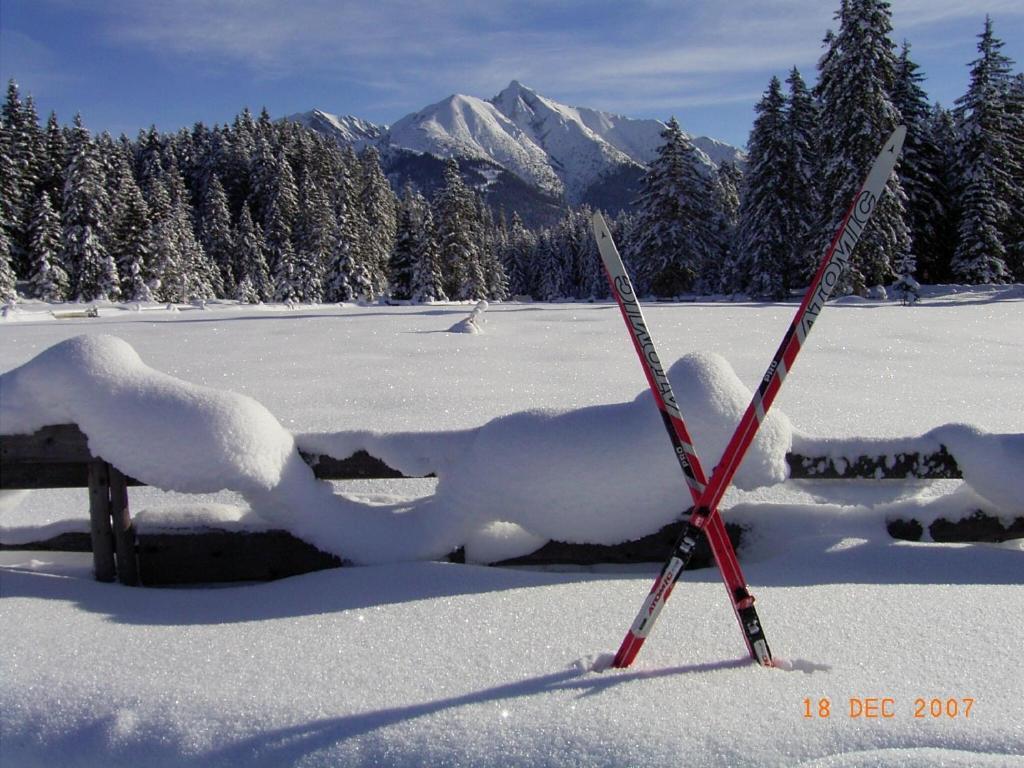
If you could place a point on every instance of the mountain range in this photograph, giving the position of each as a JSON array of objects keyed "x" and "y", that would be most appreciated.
[{"x": 523, "y": 151}]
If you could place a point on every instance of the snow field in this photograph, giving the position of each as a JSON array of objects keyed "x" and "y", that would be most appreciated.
[{"x": 426, "y": 663}]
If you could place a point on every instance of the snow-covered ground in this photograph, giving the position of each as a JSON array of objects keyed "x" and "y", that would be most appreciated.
[{"x": 421, "y": 663}]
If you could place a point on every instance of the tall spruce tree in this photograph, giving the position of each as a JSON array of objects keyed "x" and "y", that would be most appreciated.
[
  {"x": 131, "y": 237},
  {"x": 856, "y": 80},
  {"x": 408, "y": 237},
  {"x": 379, "y": 210},
  {"x": 674, "y": 236},
  {"x": 455, "y": 219},
  {"x": 217, "y": 235},
  {"x": 48, "y": 281},
  {"x": 920, "y": 169},
  {"x": 515, "y": 257},
  {"x": 250, "y": 262},
  {"x": 20, "y": 143},
  {"x": 84, "y": 251},
  {"x": 985, "y": 166},
  {"x": 8, "y": 282},
  {"x": 427, "y": 280},
  {"x": 764, "y": 247},
  {"x": 802, "y": 188}
]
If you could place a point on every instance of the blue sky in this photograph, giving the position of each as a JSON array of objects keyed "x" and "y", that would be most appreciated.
[{"x": 125, "y": 64}]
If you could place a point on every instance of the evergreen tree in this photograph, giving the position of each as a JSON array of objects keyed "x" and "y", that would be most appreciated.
[
  {"x": 48, "y": 280},
  {"x": 549, "y": 267},
  {"x": 1015, "y": 226},
  {"x": 280, "y": 216},
  {"x": 132, "y": 243},
  {"x": 920, "y": 168},
  {"x": 20, "y": 145},
  {"x": 427, "y": 281},
  {"x": 217, "y": 236},
  {"x": 936, "y": 266},
  {"x": 8, "y": 282},
  {"x": 408, "y": 237},
  {"x": 802, "y": 190},
  {"x": 348, "y": 278},
  {"x": 379, "y": 210},
  {"x": 455, "y": 218},
  {"x": 675, "y": 237},
  {"x": 855, "y": 85},
  {"x": 55, "y": 151},
  {"x": 250, "y": 263},
  {"x": 763, "y": 242},
  {"x": 515, "y": 257},
  {"x": 84, "y": 252},
  {"x": 985, "y": 166}
]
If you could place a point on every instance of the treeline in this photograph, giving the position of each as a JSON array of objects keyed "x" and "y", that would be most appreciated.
[
  {"x": 954, "y": 212},
  {"x": 263, "y": 210}
]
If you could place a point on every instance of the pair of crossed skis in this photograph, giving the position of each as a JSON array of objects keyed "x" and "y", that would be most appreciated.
[{"x": 704, "y": 518}]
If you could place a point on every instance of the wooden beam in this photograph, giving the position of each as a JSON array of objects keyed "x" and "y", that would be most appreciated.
[
  {"x": 100, "y": 529},
  {"x": 124, "y": 531}
]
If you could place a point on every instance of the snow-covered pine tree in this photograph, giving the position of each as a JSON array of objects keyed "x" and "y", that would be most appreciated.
[
  {"x": 250, "y": 263},
  {"x": 48, "y": 281},
  {"x": 84, "y": 252},
  {"x": 408, "y": 236},
  {"x": 427, "y": 280},
  {"x": 1015, "y": 226},
  {"x": 20, "y": 143},
  {"x": 803, "y": 196},
  {"x": 149, "y": 164},
  {"x": 314, "y": 226},
  {"x": 55, "y": 150},
  {"x": 936, "y": 267},
  {"x": 857, "y": 113},
  {"x": 8, "y": 282},
  {"x": 239, "y": 152},
  {"x": 200, "y": 278},
  {"x": 379, "y": 210},
  {"x": 348, "y": 278},
  {"x": 549, "y": 263},
  {"x": 131, "y": 234},
  {"x": 455, "y": 219},
  {"x": 515, "y": 257},
  {"x": 764, "y": 248},
  {"x": 920, "y": 168},
  {"x": 489, "y": 238},
  {"x": 217, "y": 235},
  {"x": 279, "y": 224},
  {"x": 985, "y": 166},
  {"x": 675, "y": 236}
]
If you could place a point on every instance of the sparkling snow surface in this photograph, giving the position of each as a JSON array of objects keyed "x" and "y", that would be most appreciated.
[{"x": 433, "y": 664}]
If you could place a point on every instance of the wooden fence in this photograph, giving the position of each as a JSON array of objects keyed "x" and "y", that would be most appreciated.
[{"x": 59, "y": 457}]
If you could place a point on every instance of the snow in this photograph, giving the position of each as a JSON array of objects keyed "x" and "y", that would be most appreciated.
[{"x": 419, "y": 663}]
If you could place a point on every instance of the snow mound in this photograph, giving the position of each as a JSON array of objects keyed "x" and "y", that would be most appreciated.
[
  {"x": 600, "y": 475},
  {"x": 474, "y": 322},
  {"x": 987, "y": 462},
  {"x": 158, "y": 429},
  {"x": 712, "y": 400}
]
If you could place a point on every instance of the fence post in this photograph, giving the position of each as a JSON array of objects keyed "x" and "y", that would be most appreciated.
[
  {"x": 100, "y": 529},
  {"x": 124, "y": 531}
]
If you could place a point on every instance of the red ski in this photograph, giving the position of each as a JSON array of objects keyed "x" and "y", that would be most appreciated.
[{"x": 707, "y": 496}]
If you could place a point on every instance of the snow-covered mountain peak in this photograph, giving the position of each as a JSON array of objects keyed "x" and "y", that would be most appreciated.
[
  {"x": 345, "y": 129},
  {"x": 463, "y": 125},
  {"x": 563, "y": 151}
]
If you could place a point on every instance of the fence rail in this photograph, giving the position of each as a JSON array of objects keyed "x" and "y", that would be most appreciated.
[{"x": 59, "y": 457}]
